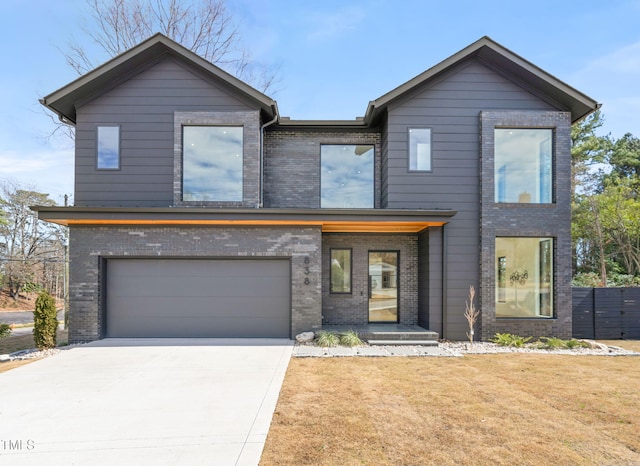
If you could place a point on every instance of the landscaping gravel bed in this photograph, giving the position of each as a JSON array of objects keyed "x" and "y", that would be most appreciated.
[
  {"x": 452, "y": 348},
  {"x": 462, "y": 347}
]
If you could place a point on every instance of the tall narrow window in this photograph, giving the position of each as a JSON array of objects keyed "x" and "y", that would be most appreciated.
[
  {"x": 524, "y": 277},
  {"x": 523, "y": 166},
  {"x": 346, "y": 176},
  {"x": 419, "y": 149},
  {"x": 108, "y": 145},
  {"x": 212, "y": 163},
  {"x": 341, "y": 271}
]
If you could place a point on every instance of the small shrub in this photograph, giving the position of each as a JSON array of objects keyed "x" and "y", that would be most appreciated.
[
  {"x": 552, "y": 343},
  {"x": 571, "y": 344},
  {"x": 327, "y": 339},
  {"x": 45, "y": 321},
  {"x": 350, "y": 338},
  {"x": 5, "y": 330},
  {"x": 508, "y": 339}
]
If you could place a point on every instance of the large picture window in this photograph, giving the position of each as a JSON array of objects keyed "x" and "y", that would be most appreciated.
[
  {"x": 523, "y": 166},
  {"x": 108, "y": 144},
  {"x": 341, "y": 271},
  {"x": 346, "y": 176},
  {"x": 212, "y": 163},
  {"x": 419, "y": 149},
  {"x": 524, "y": 277}
]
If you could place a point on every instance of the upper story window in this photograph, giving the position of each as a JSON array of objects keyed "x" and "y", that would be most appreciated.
[
  {"x": 523, "y": 166},
  {"x": 108, "y": 148},
  {"x": 420, "y": 149},
  {"x": 212, "y": 163},
  {"x": 346, "y": 176}
]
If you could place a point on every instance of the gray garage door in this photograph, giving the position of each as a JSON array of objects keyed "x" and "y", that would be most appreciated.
[{"x": 197, "y": 298}]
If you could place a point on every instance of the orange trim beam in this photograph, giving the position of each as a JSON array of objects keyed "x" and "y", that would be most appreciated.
[{"x": 327, "y": 226}]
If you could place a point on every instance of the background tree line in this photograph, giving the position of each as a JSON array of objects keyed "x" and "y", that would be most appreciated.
[
  {"x": 605, "y": 205},
  {"x": 32, "y": 252}
]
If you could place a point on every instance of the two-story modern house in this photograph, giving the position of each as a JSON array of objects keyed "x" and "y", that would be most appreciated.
[{"x": 200, "y": 211}]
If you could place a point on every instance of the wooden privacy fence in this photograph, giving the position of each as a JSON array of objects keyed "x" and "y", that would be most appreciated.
[{"x": 606, "y": 313}]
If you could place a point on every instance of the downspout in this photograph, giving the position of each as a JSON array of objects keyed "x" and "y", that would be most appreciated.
[
  {"x": 443, "y": 243},
  {"x": 269, "y": 123}
]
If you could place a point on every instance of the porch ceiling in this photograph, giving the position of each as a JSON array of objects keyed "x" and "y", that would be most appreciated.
[{"x": 329, "y": 220}]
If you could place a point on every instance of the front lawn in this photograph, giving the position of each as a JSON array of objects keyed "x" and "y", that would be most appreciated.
[{"x": 484, "y": 409}]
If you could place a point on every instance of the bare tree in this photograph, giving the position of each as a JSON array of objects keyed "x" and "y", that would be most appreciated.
[
  {"x": 471, "y": 313},
  {"x": 203, "y": 26},
  {"x": 31, "y": 251}
]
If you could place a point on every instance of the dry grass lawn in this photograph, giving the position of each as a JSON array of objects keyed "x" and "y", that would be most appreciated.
[
  {"x": 21, "y": 342},
  {"x": 11, "y": 344},
  {"x": 485, "y": 409}
]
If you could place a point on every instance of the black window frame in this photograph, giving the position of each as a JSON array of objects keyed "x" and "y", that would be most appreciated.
[
  {"x": 409, "y": 149},
  {"x": 552, "y": 162},
  {"x": 182, "y": 175},
  {"x": 119, "y": 149},
  {"x": 373, "y": 170},
  {"x": 331, "y": 291}
]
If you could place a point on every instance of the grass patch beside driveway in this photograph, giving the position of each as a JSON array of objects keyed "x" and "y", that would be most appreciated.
[{"x": 485, "y": 409}]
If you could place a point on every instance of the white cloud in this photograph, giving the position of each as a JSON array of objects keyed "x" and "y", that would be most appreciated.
[
  {"x": 325, "y": 26},
  {"x": 47, "y": 171}
]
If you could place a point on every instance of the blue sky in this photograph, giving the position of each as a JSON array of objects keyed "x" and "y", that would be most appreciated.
[{"x": 333, "y": 58}]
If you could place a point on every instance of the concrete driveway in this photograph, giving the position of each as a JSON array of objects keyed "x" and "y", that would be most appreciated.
[{"x": 160, "y": 402}]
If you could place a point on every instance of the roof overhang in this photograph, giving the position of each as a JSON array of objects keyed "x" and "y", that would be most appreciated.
[
  {"x": 104, "y": 77},
  {"x": 329, "y": 220},
  {"x": 512, "y": 66}
]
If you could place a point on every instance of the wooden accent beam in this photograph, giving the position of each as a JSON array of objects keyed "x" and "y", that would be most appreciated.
[{"x": 327, "y": 226}]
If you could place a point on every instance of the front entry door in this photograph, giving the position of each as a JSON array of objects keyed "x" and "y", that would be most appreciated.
[{"x": 383, "y": 286}]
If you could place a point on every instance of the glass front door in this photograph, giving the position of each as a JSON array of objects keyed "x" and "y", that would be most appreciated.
[{"x": 383, "y": 286}]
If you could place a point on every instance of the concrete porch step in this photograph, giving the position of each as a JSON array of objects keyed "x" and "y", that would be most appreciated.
[
  {"x": 401, "y": 336},
  {"x": 403, "y": 342},
  {"x": 397, "y": 334}
]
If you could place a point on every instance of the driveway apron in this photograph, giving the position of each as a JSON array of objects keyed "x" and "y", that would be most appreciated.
[{"x": 151, "y": 401}]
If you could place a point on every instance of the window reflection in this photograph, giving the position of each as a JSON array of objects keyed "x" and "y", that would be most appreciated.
[
  {"x": 524, "y": 277},
  {"x": 523, "y": 159},
  {"x": 346, "y": 179},
  {"x": 108, "y": 147},
  {"x": 212, "y": 163},
  {"x": 341, "y": 270},
  {"x": 420, "y": 149}
]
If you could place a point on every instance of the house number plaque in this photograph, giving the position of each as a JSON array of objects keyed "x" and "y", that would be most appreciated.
[{"x": 306, "y": 271}]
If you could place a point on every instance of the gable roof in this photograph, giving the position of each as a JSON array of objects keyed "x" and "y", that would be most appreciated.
[
  {"x": 63, "y": 101},
  {"x": 511, "y": 65}
]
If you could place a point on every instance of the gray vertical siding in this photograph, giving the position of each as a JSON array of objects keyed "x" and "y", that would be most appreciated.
[
  {"x": 143, "y": 106},
  {"x": 450, "y": 106},
  {"x": 430, "y": 279},
  {"x": 384, "y": 165}
]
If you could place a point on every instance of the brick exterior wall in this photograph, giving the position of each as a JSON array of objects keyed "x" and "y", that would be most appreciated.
[
  {"x": 527, "y": 220},
  {"x": 352, "y": 309},
  {"x": 250, "y": 122},
  {"x": 292, "y": 159},
  {"x": 89, "y": 246}
]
